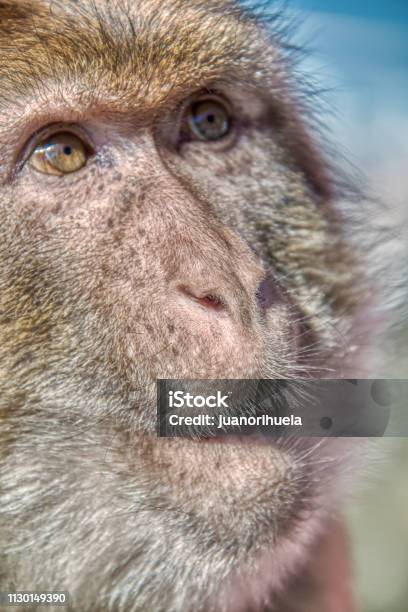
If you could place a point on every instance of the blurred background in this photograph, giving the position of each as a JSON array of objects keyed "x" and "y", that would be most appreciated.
[{"x": 360, "y": 54}]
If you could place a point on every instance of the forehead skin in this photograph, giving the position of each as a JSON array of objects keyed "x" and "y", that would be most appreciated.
[{"x": 132, "y": 49}]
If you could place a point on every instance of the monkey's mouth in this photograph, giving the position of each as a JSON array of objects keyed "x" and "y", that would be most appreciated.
[{"x": 253, "y": 439}]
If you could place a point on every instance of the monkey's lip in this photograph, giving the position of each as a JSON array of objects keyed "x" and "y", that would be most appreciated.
[
  {"x": 239, "y": 440},
  {"x": 251, "y": 438}
]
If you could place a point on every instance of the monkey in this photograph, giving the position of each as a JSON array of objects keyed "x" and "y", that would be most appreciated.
[{"x": 167, "y": 210}]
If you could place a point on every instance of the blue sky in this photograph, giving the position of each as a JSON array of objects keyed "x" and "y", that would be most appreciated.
[
  {"x": 360, "y": 51},
  {"x": 363, "y": 40},
  {"x": 394, "y": 10}
]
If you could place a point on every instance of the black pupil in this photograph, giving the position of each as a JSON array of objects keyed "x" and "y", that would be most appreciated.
[
  {"x": 210, "y": 118},
  {"x": 67, "y": 150}
]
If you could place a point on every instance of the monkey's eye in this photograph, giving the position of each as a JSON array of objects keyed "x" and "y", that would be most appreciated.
[
  {"x": 59, "y": 154},
  {"x": 209, "y": 119}
]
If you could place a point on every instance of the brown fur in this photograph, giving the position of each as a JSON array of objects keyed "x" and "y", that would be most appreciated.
[{"x": 90, "y": 313}]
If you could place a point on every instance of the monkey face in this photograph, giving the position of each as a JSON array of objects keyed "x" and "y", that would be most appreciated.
[{"x": 164, "y": 214}]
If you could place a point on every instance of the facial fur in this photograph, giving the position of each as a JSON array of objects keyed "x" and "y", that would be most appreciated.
[{"x": 99, "y": 271}]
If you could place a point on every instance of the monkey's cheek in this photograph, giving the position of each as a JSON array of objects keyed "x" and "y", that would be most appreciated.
[
  {"x": 283, "y": 321},
  {"x": 281, "y": 326},
  {"x": 282, "y": 341}
]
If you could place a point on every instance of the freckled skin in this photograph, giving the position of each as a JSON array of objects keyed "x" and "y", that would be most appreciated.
[{"x": 91, "y": 311}]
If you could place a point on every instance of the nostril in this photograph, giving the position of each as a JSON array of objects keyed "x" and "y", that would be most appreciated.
[
  {"x": 209, "y": 300},
  {"x": 268, "y": 293}
]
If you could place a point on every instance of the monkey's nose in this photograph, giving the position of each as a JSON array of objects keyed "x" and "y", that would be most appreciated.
[{"x": 207, "y": 299}]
